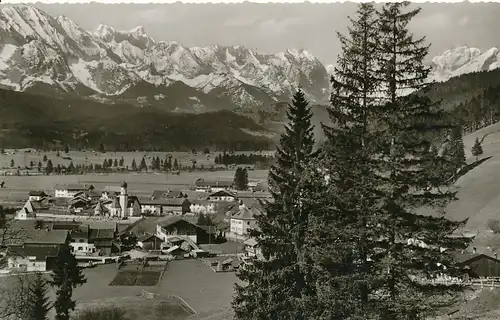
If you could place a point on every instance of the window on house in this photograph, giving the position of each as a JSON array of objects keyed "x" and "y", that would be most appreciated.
[{"x": 80, "y": 248}]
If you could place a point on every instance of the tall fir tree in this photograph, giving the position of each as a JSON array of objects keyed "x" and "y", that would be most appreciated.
[
  {"x": 66, "y": 276},
  {"x": 454, "y": 150},
  {"x": 341, "y": 207},
  {"x": 276, "y": 283},
  {"x": 38, "y": 302},
  {"x": 406, "y": 124}
]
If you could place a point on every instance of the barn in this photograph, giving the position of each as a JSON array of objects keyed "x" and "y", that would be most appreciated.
[{"x": 479, "y": 265}]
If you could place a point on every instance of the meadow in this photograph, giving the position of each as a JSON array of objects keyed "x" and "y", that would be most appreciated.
[
  {"x": 140, "y": 184},
  {"x": 204, "y": 290}
]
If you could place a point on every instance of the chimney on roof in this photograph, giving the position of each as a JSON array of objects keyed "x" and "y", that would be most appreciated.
[
  {"x": 474, "y": 250},
  {"x": 496, "y": 256}
]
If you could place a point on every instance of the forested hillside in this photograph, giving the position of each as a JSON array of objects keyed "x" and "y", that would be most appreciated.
[
  {"x": 46, "y": 123},
  {"x": 472, "y": 99}
]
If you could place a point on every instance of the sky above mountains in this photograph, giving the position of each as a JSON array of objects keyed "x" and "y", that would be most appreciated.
[{"x": 276, "y": 27}]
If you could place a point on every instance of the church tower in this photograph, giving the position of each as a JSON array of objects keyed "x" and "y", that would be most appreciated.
[{"x": 124, "y": 200}]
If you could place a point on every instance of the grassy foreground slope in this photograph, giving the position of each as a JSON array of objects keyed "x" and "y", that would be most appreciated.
[{"x": 479, "y": 189}]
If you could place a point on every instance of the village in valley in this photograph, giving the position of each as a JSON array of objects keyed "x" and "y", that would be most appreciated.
[{"x": 203, "y": 225}]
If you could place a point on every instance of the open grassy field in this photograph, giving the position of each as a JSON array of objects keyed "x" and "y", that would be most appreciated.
[
  {"x": 141, "y": 184},
  {"x": 204, "y": 290},
  {"x": 22, "y": 158}
]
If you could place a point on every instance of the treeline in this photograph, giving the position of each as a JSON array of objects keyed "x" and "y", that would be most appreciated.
[
  {"x": 253, "y": 159},
  {"x": 108, "y": 165}
]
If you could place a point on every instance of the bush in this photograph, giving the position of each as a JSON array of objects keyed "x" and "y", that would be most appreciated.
[
  {"x": 102, "y": 313},
  {"x": 494, "y": 225}
]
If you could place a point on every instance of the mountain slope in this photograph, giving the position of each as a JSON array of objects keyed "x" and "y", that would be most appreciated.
[
  {"x": 46, "y": 123},
  {"x": 111, "y": 65}
]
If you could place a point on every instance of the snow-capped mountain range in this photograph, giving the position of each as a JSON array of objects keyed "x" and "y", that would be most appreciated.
[
  {"x": 41, "y": 52},
  {"x": 463, "y": 60},
  {"x": 44, "y": 54}
]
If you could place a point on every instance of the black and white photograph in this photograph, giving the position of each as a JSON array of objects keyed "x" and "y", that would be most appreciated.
[{"x": 249, "y": 161}]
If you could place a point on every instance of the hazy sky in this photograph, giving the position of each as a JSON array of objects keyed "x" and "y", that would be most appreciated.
[{"x": 275, "y": 27}]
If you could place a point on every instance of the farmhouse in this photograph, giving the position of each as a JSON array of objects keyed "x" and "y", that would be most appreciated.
[
  {"x": 222, "y": 195},
  {"x": 102, "y": 239},
  {"x": 242, "y": 221},
  {"x": 29, "y": 258},
  {"x": 171, "y": 206},
  {"x": 177, "y": 227},
  {"x": 70, "y": 190},
  {"x": 212, "y": 186},
  {"x": 36, "y": 195},
  {"x": 80, "y": 244},
  {"x": 478, "y": 265},
  {"x": 202, "y": 206}
]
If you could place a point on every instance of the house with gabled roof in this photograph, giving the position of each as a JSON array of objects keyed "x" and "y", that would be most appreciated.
[
  {"x": 29, "y": 258},
  {"x": 222, "y": 195},
  {"x": 70, "y": 190},
  {"x": 202, "y": 206},
  {"x": 167, "y": 206},
  {"x": 36, "y": 195},
  {"x": 103, "y": 241},
  {"x": 242, "y": 221}
]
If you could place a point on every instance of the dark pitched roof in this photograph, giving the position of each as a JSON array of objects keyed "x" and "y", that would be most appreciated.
[
  {"x": 74, "y": 186},
  {"x": 101, "y": 234},
  {"x": 43, "y": 236},
  {"x": 37, "y": 193},
  {"x": 223, "y": 193},
  {"x": 209, "y": 229},
  {"x": 81, "y": 232},
  {"x": 174, "y": 202},
  {"x": 41, "y": 253},
  {"x": 213, "y": 183},
  {"x": 173, "y": 220},
  {"x": 466, "y": 257},
  {"x": 131, "y": 200},
  {"x": 246, "y": 213}
]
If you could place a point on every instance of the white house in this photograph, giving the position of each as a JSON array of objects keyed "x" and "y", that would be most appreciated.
[
  {"x": 241, "y": 221},
  {"x": 28, "y": 211},
  {"x": 36, "y": 195},
  {"x": 252, "y": 248},
  {"x": 30, "y": 258},
  {"x": 202, "y": 206},
  {"x": 70, "y": 190},
  {"x": 80, "y": 244}
]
